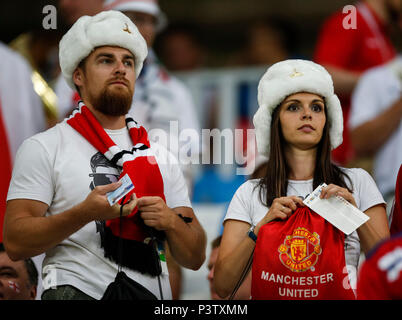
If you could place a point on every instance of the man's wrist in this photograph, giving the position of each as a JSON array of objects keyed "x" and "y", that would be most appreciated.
[
  {"x": 80, "y": 213},
  {"x": 174, "y": 221}
]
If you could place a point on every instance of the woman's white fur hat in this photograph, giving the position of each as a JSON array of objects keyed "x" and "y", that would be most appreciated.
[
  {"x": 289, "y": 77},
  {"x": 108, "y": 28}
]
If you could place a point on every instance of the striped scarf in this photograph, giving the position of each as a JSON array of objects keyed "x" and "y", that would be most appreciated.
[{"x": 141, "y": 166}]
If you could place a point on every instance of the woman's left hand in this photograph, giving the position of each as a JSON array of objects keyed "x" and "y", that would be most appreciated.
[{"x": 333, "y": 190}]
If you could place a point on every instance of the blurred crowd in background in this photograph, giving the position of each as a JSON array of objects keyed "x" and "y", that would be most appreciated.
[{"x": 208, "y": 56}]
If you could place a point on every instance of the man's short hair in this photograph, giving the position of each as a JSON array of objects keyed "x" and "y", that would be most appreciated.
[
  {"x": 216, "y": 242},
  {"x": 29, "y": 266}
]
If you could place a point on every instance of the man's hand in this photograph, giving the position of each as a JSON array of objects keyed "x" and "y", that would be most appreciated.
[
  {"x": 186, "y": 241},
  {"x": 97, "y": 207},
  {"x": 29, "y": 232},
  {"x": 156, "y": 213}
]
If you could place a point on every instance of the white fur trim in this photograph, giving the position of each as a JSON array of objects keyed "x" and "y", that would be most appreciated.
[
  {"x": 288, "y": 77},
  {"x": 104, "y": 29}
]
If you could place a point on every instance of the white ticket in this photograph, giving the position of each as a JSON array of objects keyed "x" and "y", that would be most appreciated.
[
  {"x": 336, "y": 210},
  {"x": 126, "y": 186}
]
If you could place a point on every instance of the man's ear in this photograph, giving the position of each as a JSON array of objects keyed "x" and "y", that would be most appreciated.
[
  {"x": 33, "y": 292},
  {"x": 78, "y": 77}
]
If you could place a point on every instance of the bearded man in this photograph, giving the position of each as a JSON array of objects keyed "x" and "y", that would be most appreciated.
[{"x": 56, "y": 202}]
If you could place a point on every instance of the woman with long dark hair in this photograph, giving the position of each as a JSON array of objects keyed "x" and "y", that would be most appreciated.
[{"x": 298, "y": 122}]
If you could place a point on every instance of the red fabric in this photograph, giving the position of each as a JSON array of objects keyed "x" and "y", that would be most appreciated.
[
  {"x": 82, "y": 124},
  {"x": 147, "y": 179},
  {"x": 300, "y": 258},
  {"x": 6, "y": 168},
  {"x": 353, "y": 50},
  {"x": 76, "y": 98},
  {"x": 143, "y": 170},
  {"x": 396, "y": 224},
  {"x": 345, "y": 153},
  {"x": 380, "y": 277}
]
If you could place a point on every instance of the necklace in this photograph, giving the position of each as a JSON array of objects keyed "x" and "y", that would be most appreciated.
[{"x": 296, "y": 192}]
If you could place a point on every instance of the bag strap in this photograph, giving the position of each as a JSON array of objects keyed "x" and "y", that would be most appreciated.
[
  {"x": 120, "y": 247},
  {"x": 120, "y": 254},
  {"x": 154, "y": 243},
  {"x": 243, "y": 275}
]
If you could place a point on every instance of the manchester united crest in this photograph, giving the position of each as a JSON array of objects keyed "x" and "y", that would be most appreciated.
[{"x": 300, "y": 250}]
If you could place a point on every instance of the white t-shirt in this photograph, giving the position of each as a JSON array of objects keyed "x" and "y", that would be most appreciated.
[
  {"x": 375, "y": 92},
  {"x": 246, "y": 205},
  {"x": 59, "y": 167}
]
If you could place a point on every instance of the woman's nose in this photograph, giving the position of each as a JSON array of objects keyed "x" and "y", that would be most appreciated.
[{"x": 306, "y": 115}]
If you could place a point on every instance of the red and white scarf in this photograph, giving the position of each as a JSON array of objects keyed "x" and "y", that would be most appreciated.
[{"x": 141, "y": 166}]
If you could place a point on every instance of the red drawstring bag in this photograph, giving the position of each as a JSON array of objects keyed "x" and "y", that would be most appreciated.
[{"x": 300, "y": 258}]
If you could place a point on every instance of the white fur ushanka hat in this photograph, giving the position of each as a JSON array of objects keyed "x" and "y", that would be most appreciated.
[
  {"x": 289, "y": 77},
  {"x": 108, "y": 28}
]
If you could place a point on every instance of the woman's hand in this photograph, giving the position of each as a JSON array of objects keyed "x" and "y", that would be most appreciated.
[
  {"x": 333, "y": 190},
  {"x": 281, "y": 208}
]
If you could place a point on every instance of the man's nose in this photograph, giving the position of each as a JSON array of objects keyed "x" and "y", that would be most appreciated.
[
  {"x": 210, "y": 275},
  {"x": 120, "y": 68}
]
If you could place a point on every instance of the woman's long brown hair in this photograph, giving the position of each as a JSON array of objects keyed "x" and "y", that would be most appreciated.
[{"x": 275, "y": 183}]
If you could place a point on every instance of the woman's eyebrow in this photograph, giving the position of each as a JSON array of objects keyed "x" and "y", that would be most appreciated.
[{"x": 296, "y": 100}]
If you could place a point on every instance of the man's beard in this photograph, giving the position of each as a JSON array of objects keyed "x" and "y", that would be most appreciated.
[{"x": 113, "y": 102}]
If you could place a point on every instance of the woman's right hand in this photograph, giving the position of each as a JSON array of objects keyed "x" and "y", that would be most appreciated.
[{"x": 281, "y": 208}]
